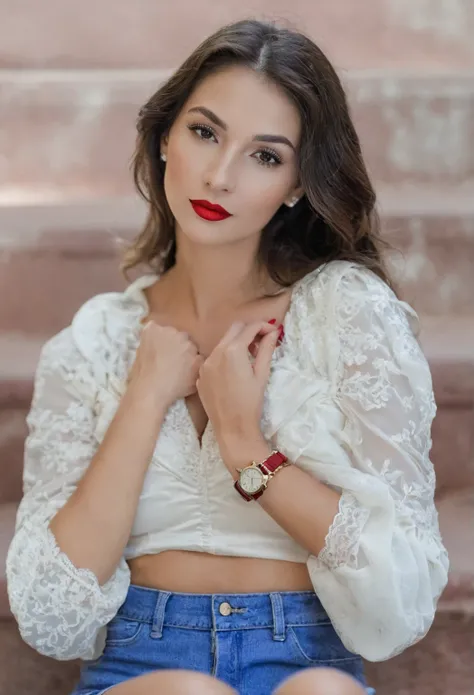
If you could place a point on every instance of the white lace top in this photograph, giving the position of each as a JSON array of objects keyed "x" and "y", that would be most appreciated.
[{"x": 349, "y": 399}]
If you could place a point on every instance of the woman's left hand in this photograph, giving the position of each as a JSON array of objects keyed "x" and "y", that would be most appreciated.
[{"x": 231, "y": 388}]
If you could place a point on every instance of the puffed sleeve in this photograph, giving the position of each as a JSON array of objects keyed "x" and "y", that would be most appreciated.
[
  {"x": 60, "y": 609},
  {"x": 383, "y": 566}
]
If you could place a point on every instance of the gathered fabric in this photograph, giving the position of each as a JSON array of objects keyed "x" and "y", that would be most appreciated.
[{"x": 349, "y": 400}]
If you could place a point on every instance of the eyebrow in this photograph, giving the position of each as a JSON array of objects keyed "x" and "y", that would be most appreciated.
[{"x": 220, "y": 123}]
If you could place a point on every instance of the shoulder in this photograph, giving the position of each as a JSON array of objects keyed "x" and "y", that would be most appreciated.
[
  {"x": 345, "y": 311},
  {"x": 110, "y": 318},
  {"x": 104, "y": 328},
  {"x": 339, "y": 277},
  {"x": 344, "y": 291}
]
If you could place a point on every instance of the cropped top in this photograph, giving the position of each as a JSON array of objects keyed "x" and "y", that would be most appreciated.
[{"x": 349, "y": 399}]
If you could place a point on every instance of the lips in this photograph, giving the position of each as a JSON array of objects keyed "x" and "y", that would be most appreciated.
[{"x": 209, "y": 211}]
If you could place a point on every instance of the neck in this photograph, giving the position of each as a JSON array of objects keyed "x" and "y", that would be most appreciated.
[{"x": 215, "y": 281}]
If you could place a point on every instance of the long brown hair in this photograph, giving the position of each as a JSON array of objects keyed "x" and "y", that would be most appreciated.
[{"x": 335, "y": 219}]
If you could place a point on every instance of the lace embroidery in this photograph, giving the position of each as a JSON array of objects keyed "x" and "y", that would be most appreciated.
[
  {"x": 349, "y": 399},
  {"x": 343, "y": 538}
]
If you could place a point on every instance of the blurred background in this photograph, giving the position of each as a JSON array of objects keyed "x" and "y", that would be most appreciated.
[{"x": 72, "y": 78}]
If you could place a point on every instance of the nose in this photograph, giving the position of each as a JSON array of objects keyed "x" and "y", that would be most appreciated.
[{"x": 220, "y": 175}]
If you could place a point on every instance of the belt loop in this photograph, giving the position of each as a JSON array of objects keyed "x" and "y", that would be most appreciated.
[
  {"x": 279, "y": 628},
  {"x": 159, "y": 614}
]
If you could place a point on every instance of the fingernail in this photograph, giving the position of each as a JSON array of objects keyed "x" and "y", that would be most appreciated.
[{"x": 281, "y": 330}]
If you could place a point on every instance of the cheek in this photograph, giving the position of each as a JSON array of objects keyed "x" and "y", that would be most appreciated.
[
  {"x": 184, "y": 161},
  {"x": 177, "y": 168},
  {"x": 265, "y": 197},
  {"x": 180, "y": 181}
]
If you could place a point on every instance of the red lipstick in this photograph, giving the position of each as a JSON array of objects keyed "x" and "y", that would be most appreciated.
[{"x": 208, "y": 211}]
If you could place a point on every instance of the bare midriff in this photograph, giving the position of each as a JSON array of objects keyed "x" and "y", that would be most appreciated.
[{"x": 200, "y": 573}]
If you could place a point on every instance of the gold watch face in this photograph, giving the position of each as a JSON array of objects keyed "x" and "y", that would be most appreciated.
[{"x": 251, "y": 480}]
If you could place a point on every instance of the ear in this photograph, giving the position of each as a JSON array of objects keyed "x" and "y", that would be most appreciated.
[
  {"x": 294, "y": 197},
  {"x": 164, "y": 146}
]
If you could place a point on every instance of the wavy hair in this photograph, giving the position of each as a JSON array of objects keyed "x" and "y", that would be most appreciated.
[{"x": 335, "y": 219}]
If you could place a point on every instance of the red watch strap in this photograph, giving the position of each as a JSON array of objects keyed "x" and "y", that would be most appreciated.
[
  {"x": 273, "y": 462},
  {"x": 247, "y": 497}
]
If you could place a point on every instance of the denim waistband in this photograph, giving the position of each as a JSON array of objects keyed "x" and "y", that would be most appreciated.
[{"x": 222, "y": 611}]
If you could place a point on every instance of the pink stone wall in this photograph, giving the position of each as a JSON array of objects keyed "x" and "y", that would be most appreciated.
[{"x": 153, "y": 33}]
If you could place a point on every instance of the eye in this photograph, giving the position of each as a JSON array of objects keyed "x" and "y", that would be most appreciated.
[
  {"x": 204, "y": 132},
  {"x": 269, "y": 158}
]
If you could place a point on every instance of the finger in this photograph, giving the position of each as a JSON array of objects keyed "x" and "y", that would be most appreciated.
[
  {"x": 234, "y": 329},
  {"x": 248, "y": 341},
  {"x": 251, "y": 331},
  {"x": 253, "y": 348},
  {"x": 261, "y": 366},
  {"x": 199, "y": 361},
  {"x": 150, "y": 325}
]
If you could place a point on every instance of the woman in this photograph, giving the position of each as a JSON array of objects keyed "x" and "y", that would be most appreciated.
[{"x": 145, "y": 527}]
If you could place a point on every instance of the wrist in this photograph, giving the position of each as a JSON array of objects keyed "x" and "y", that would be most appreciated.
[
  {"x": 239, "y": 452},
  {"x": 140, "y": 394},
  {"x": 253, "y": 480}
]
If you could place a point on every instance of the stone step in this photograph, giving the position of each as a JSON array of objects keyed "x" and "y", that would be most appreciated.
[
  {"x": 71, "y": 251},
  {"x": 432, "y": 232},
  {"x": 146, "y": 34},
  {"x": 68, "y": 250},
  {"x": 7, "y": 529},
  {"x": 441, "y": 664},
  {"x": 447, "y": 343},
  {"x": 18, "y": 360},
  {"x": 456, "y": 513},
  {"x": 73, "y": 132}
]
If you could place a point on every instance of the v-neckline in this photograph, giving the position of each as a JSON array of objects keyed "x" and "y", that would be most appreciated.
[
  {"x": 137, "y": 289},
  {"x": 198, "y": 441}
]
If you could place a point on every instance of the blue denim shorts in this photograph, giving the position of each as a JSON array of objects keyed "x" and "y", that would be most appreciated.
[{"x": 252, "y": 642}]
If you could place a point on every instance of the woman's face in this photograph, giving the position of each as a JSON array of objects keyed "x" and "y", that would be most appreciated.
[{"x": 233, "y": 144}]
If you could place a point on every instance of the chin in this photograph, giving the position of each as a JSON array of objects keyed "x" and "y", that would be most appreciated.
[
  {"x": 199, "y": 236},
  {"x": 202, "y": 232}
]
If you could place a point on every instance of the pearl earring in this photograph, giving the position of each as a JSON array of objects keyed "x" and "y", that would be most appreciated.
[
  {"x": 293, "y": 202},
  {"x": 163, "y": 157}
]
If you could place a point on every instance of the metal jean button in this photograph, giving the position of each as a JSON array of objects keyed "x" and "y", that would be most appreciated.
[{"x": 225, "y": 608}]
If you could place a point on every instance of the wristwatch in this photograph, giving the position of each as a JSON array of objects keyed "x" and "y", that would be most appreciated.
[{"x": 253, "y": 479}]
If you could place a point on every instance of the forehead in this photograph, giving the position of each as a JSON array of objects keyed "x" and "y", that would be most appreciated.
[{"x": 247, "y": 102}]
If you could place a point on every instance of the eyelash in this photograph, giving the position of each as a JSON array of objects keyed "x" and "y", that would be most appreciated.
[{"x": 272, "y": 153}]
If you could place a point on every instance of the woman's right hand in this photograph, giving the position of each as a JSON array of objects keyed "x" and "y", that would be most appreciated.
[{"x": 167, "y": 361}]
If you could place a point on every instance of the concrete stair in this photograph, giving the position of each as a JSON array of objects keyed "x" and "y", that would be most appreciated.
[
  {"x": 71, "y": 248},
  {"x": 431, "y": 34},
  {"x": 415, "y": 127},
  {"x": 70, "y": 90}
]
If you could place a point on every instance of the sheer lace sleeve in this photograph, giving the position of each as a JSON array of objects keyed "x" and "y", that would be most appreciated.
[
  {"x": 60, "y": 609},
  {"x": 384, "y": 565}
]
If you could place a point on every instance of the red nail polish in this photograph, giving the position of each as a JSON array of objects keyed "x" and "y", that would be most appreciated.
[{"x": 281, "y": 330}]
